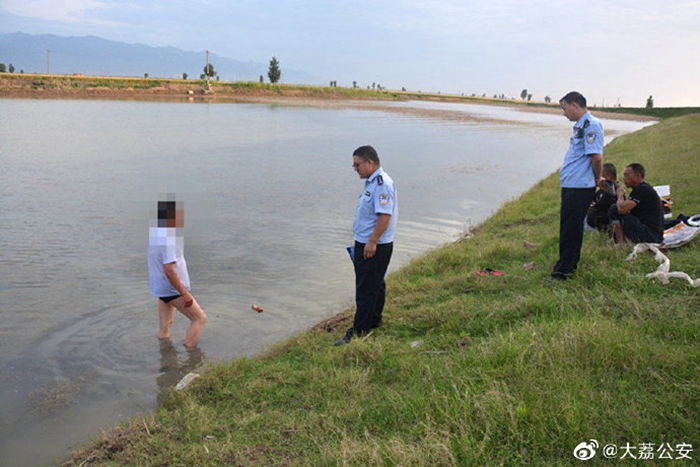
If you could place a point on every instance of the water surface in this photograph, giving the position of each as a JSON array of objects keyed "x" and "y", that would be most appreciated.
[{"x": 269, "y": 197}]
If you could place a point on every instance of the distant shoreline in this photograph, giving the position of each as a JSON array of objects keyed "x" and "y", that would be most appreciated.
[{"x": 38, "y": 86}]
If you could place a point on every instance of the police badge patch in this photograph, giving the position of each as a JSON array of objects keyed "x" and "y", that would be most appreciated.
[
  {"x": 590, "y": 137},
  {"x": 384, "y": 199}
]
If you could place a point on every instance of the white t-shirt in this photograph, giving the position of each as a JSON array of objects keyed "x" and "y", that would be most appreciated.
[{"x": 165, "y": 247}]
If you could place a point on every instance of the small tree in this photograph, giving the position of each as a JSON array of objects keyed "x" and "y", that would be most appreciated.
[
  {"x": 274, "y": 72},
  {"x": 209, "y": 71},
  {"x": 11, "y": 68},
  {"x": 2, "y": 68},
  {"x": 523, "y": 94},
  {"x": 650, "y": 102},
  {"x": 184, "y": 76},
  {"x": 261, "y": 79}
]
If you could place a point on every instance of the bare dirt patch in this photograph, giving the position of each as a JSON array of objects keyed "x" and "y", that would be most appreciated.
[{"x": 337, "y": 322}]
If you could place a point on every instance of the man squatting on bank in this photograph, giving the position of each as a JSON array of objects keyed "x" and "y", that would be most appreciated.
[
  {"x": 639, "y": 218},
  {"x": 373, "y": 230},
  {"x": 579, "y": 175},
  {"x": 168, "y": 275}
]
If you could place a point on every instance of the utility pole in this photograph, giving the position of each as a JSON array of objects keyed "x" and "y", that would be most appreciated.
[
  {"x": 207, "y": 70},
  {"x": 48, "y": 62}
]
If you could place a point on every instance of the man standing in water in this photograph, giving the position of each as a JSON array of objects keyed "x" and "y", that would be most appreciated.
[
  {"x": 373, "y": 230},
  {"x": 167, "y": 269},
  {"x": 579, "y": 175}
]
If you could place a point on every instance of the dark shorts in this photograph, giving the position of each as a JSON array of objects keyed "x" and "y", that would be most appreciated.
[
  {"x": 633, "y": 228},
  {"x": 169, "y": 299}
]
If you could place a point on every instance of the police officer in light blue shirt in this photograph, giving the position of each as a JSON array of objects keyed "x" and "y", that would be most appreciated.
[
  {"x": 586, "y": 141},
  {"x": 579, "y": 175},
  {"x": 373, "y": 230},
  {"x": 378, "y": 198}
]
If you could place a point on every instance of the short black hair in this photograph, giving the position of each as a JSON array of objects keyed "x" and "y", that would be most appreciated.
[
  {"x": 367, "y": 153},
  {"x": 610, "y": 169},
  {"x": 166, "y": 211},
  {"x": 574, "y": 97},
  {"x": 637, "y": 168}
]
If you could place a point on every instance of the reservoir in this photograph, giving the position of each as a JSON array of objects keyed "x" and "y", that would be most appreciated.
[{"x": 269, "y": 196}]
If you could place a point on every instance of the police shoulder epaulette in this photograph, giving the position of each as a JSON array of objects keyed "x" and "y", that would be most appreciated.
[{"x": 380, "y": 180}]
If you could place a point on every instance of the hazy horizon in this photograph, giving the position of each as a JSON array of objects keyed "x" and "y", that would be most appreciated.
[{"x": 613, "y": 52}]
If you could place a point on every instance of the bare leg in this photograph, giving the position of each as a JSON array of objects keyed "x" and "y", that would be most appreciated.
[
  {"x": 197, "y": 319},
  {"x": 166, "y": 313},
  {"x": 620, "y": 236}
]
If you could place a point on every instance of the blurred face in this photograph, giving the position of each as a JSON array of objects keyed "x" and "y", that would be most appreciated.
[
  {"x": 179, "y": 220},
  {"x": 364, "y": 168},
  {"x": 180, "y": 216}
]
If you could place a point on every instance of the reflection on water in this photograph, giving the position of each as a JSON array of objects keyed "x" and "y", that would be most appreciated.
[
  {"x": 175, "y": 365},
  {"x": 270, "y": 196}
]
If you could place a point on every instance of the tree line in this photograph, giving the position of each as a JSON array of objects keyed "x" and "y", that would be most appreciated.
[
  {"x": 8, "y": 69},
  {"x": 274, "y": 74}
]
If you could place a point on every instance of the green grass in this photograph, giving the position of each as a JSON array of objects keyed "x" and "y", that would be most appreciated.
[
  {"x": 16, "y": 82},
  {"x": 659, "y": 112},
  {"x": 504, "y": 370}
]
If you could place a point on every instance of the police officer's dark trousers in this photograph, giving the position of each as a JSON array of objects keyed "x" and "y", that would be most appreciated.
[
  {"x": 574, "y": 206},
  {"x": 370, "y": 288}
]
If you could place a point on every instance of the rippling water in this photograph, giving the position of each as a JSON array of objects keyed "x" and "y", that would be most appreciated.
[{"x": 269, "y": 197}]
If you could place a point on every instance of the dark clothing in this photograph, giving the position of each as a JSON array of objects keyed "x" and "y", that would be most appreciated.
[
  {"x": 170, "y": 298},
  {"x": 370, "y": 288},
  {"x": 649, "y": 209},
  {"x": 633, "y": 228},
  {"x": 574, "y": 205},
  {"x": 644, "y": 223},
  {"x": 597, "y": 216},
  {"x": 578, "y": 182}
]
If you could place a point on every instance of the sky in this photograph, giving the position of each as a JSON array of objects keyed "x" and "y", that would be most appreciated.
[{"x": 615, "y": 52}]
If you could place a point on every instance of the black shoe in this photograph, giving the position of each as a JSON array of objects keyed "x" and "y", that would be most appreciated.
[
  {"x": 345, "y": 339},
  {"x": 560, "y": 276},
  {"x": 378, "y": 325}
]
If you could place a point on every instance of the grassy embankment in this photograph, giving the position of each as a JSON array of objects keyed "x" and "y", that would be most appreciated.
[
  {"x": 62, "y": 86},
  {"x": 468, "y": 370},
  {"x": 39, "y": 85}
]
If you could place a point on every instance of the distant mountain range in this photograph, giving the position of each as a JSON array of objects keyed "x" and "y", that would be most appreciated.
[{"x": 92, "y": 55}]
